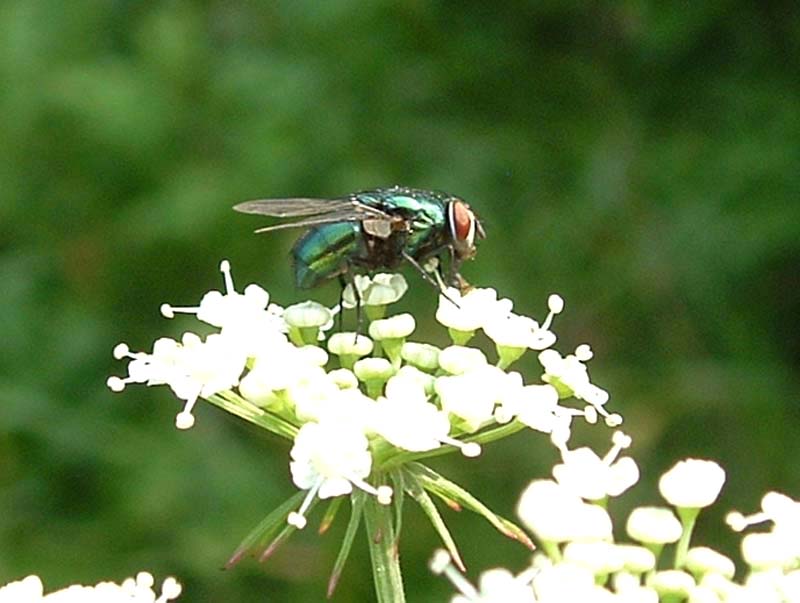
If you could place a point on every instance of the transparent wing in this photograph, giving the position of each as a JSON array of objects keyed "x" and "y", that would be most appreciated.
[
  {"x": 312, "y": 221},
  {"x": 342, "y": 209},
  {"x": 315, "y": 211},
  {"x": 289, "y": 208}
]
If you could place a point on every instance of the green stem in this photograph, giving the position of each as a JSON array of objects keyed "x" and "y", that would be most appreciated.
[
  {"x": 308, "y": 336},
  {"x": 295, "y": 336},
  {"x": 688, "y": 518},
  {"x": 375, "y": 312},
  {"x": 236, "y": 405},
  {"x": 506, "y": 355},
  {"x": 552, "y": 551},
  {"x": 484, "y": 437},
  {"x": 656, "y": 549},
  {"x": 392, "y": 349},
  {"x": 460, "y": 337},
  {"x": 374, "y": 387},
  {"x": 383, "y": 552},
  {"x": 347, "y": 360}
]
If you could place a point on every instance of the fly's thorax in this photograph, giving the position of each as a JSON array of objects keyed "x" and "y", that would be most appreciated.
[
  {"x": 421, "y": 218},
  {"x": 380, "y": 252}
]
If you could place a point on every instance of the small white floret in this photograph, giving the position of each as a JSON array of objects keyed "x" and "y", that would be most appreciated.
[
  {"x": 380, "y": 290},
  {"x": 475, "y": 309},
  {"x": 692, "y": 483},
  {"x": 653, "y": 525}
]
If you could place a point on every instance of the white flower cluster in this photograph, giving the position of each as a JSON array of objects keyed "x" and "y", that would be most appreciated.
[
  {"x": 580, "y": 561},
  {"x": 132, "y": 590},
  {"x": 351, "y": 401},
  {"x": 774, "y": 555}
]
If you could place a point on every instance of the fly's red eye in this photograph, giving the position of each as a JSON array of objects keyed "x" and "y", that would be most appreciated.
[{"x": 462, "y": 221}]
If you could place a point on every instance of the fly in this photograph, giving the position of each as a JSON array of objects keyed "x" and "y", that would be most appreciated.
[{"x": 376, "y": 229}]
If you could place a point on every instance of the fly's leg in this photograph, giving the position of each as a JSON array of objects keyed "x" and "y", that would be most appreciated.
[
  {"x": 425, "y": 275},
  {"x": 452, "y": 270},
  {"x": 359, "y": 315},
  {"x": 439, "y": 286},
  {"x": 345, "y": 279},
  {"x": 463, "y": 284},
  {"x": 457, "y": 281},
  {"x": 454, "y": 277},
  {"x": 342, "y": 286}
]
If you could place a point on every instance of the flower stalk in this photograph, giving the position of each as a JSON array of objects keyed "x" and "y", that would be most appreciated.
[
  {"x": 688, "y": 517},
  {"x": 384, "y": 553}
]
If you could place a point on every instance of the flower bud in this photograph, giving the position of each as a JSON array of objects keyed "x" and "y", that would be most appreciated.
[
  {"x": 314, "y": 355},
  {"x": 410, "y": 381},
  {"x": 766, "y": 550},
  {"x": 349, "y": 347},
  {"x": 671, "y": 583},
  {"x": 343, "y": 378},
  {"x": 702, "y": 560},
  {"x": 421, "y": 355},
  {"x": 349, "y": 344},
  {"x": 692, "y": 483},
  {"x": 457, "y": 359},
  {"x": 653, "y": 525},
  {"x": 306, "y": 314},
  {"x": 394, "y": 327},
  {"x": 637, "y": 559},
  {"x": 473, "y": 309},
  {"x": 374, "y": 372},
  {"x": 555, "y": 514},
  {"x": 600, "y": 557},
  {"x": 304, "y": 321},
  {"x": 381, "y": 290},
  {"x": 373, "y": 369},
  {"x": 703, "y": 594}
]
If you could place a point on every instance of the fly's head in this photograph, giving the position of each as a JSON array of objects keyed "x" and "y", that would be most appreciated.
[{"x": 464, "y": 228}]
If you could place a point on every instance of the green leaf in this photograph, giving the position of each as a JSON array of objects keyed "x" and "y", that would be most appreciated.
[
  {"x": 259, "y": 538},
  {"x": 449, "y": 491},
  {"x": 383, "y": 552},
  {"x": 357, "y": 500},
  {"x": 330, "y": 514},
  {"x": 418, "y": 493},
  {"x": 282, "y": 536},
  {"x": 398, "y": 499}
]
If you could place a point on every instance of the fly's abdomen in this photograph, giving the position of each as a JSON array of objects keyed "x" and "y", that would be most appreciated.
[{"x": 323, "y": 252}]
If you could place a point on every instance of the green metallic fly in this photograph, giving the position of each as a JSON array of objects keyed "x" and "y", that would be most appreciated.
[{"x": 375, "y": 229}]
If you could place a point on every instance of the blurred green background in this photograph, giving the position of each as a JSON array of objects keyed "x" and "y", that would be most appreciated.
[{"x": 639, "y": 158}]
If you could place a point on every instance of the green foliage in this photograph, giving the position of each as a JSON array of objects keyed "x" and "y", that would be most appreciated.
[{"x": 638, "y": 158}]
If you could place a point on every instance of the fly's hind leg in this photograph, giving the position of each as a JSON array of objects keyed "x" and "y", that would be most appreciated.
[
  {"x": 342, "y": 286},
  {"x": 345, "y": 279}
]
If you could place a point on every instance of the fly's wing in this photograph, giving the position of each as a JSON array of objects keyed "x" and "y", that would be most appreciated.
[
  {"x": 314, "y": 211},
  {"x": 291, "y": 208}
]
